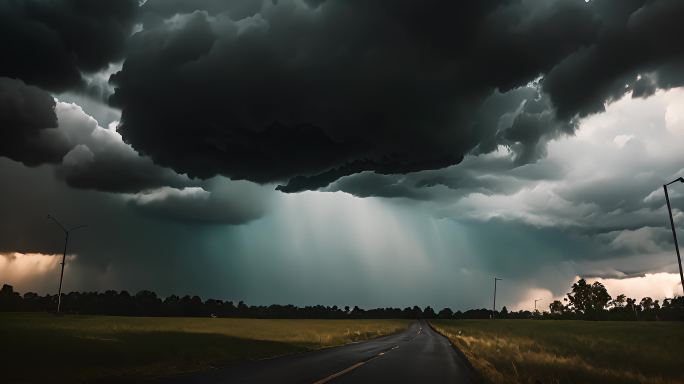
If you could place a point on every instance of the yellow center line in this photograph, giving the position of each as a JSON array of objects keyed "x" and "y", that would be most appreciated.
[
  {"x": 340, "y": 373},
  {"x": 353, "y": 367}
]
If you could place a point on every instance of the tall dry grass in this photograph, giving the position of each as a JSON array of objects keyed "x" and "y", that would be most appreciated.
[{"x": 528, "y": 351}]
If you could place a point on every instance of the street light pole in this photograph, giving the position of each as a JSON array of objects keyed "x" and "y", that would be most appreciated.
[
  {"x": 674, "y": 232},
  {"x": 494, "y": 305},
  {"x": 66, "y": 242},
  {"x": 535, "y": 304}
]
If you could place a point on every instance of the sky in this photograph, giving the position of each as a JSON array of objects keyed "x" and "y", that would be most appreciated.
[{"x": 342, "y": 152}]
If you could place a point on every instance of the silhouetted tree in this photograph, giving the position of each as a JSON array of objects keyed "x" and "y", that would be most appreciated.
[
  {"x": 9, "y": 300},
  {"x": 429, "y": 313},
  {"x": 445, "y": 313},
  {"x": 619, "y": 301},
  {"x": 504, "y": 312},
  {"x": 587, "y": 298},
  {"x": 646, "y": 303},
  {"x": 556, "y": 307}
]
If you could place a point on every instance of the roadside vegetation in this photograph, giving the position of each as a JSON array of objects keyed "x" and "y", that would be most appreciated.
[
  {"x": 561, "y": 346},
  {"x": 570, "y": 351},
  {"x": 75, "y": 348}
]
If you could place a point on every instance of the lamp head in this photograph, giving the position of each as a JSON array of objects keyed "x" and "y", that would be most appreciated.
[{"x": 680, "y": 179}]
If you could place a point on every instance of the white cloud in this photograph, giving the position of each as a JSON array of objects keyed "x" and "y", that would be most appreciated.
[
  {"x": 653, "y": 285},
  {"x": 165, "y": 193}
]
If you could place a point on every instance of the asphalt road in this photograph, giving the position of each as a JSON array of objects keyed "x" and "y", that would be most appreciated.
[{"x": 417, "y": 355}]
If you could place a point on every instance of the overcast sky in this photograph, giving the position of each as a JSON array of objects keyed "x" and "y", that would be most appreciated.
[{"x": 349, "y": 152}]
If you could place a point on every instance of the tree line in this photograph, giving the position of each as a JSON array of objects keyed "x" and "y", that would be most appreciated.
[
  {"x": 592, "y": 301},
  {"x": 585, "y": 301}
]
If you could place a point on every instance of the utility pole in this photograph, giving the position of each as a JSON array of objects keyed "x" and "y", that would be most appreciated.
[
  {"x": 66, "y": 242},
  {"x": 494, "y": 305},
  {"x": 674, "y": 232},
  {"x": 535, "y": 304}
]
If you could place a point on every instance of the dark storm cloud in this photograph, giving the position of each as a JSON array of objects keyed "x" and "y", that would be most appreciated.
[
  {"x": 114, "y": 169},
  {"x": 50, "y": 43},
  {"x": 636, "y": 37},
  {"x": 524, "y": 121},
  {"x": 306, "y": 92},
  {"x": 313, "y": 93},
  {"x": 28, "y": 125},
  {"x": 155, "y": 11}
]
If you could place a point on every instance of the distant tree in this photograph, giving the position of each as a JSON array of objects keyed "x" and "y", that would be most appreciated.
[
  {"x": 429, "y": 313},
  {"x": 599, "y": 296},
  {"x": 504, "y": 312},
  {"x": 631, "y": 304},
  {"x": 674, "y": 303},
  {"x": 147, "y": 303},
  {"x": 579, "y": 296},
  {"x": 647, "y": 303},
  {"x": 357, "y": 312},
  {"x": 586, "y": 297},
  {"x": 7, "y": 290},
  {"x": 619, "y": 301},
  {"x": 445, "y": 313},
  {"x": 9, "y": 300},
  {"x": 556, "y": 307},
  {"x": 481, "y": 313}
]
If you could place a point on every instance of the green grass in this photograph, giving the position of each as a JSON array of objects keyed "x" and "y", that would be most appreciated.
[
  {"x": 529, "y": 351},
  {"x": 39, "y": 348}
]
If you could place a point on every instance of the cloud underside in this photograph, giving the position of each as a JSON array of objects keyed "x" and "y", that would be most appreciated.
[{"x": 305, "y": 93}]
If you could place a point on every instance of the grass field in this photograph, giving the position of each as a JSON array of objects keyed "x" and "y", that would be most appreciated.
[
  {"x": 45, "y": 348},
  {"x": 529, "y": 351}
]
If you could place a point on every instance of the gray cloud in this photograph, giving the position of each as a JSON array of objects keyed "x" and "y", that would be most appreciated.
[
  {"x": 636, "y": 38},
  {"x": 29, "y": 124},
  {"x": 101, "y": 161},
  {"x": 51, "y": 43},
  {"x": 224, "y": 203}
]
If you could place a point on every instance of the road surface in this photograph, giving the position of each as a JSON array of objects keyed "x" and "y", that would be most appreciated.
[{"x": 417, "y": 355}]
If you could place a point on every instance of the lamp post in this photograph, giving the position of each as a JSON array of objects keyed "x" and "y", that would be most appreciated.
[
  {"x": 535, "y": 304},
  {"x": 674, "y": 232},
  {"x": 66, "y": 242},
  {"x": 494, "y": 305}
]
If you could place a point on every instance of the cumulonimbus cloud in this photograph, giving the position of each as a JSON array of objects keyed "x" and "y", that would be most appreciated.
[{"x": 308, "y": 92}]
